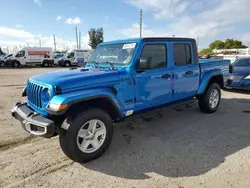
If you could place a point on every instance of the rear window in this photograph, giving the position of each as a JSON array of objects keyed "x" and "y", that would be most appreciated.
[{"x": 242, "y": 63}]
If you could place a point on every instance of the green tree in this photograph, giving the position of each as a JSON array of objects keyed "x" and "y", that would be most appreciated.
[
  {"x": 95, "y": 37},
  {"x": 233, "y": 44},
  {"x": 218, "y": 44},
  {"x": 206, "y": 51}
]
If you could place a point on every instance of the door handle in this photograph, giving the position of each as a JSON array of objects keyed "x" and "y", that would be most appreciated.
[
  {"x": 189, "y": 72},
  {"x": 166, "y": 76}
]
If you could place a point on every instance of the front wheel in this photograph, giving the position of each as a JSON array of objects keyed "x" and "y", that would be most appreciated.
[
  {"x": 16, "y": 64},
  {"x": 209, "y": 102},
  {"x": 88, "y": 135},
  {"x": 2, "y": 64}
]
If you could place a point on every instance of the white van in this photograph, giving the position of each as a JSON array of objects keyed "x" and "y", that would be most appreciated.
[
  {"x": 32, "y": 56},
  {"x": 74, "y": 58}
]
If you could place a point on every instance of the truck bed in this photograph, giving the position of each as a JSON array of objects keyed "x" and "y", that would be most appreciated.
[{"x": 209, "y": 65}]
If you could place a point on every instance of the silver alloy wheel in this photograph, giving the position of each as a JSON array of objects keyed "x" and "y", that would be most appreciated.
[
  {"x": 91, "y": 136},
  {"x": 214, "y": 98},
  {"x": 67, "y": 64}
]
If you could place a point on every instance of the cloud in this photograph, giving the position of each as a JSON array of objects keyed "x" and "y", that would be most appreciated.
[
  {"x": 75, "y": 20},
  {"x": 190, "y": 18},
  {"x": 246, "y": 39},
  {"x": 16, "y": 33},
  {"x": 58, "y": 18},
  {"x": 38, "y": 2},
  {"x": 15, "y": 39},
  {"x": 19, "y": 26}
]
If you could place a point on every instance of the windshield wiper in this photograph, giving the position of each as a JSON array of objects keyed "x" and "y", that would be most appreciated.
[
  {"x": 95, "y": 64},
  {"x": 112, "y": 66}
]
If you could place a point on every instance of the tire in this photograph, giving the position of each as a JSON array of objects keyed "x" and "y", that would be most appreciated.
[
  {"x": 16, "y": 64},
  {"x": 205, "y": 101},
  {"x": 2, "y": 64},
  {"x": 45, "y": 64},
  {"x": 67, "y": 64},
  {"x": 71, "y": 141}
]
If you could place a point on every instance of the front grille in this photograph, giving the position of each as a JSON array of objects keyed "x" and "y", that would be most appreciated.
[{"x": 34, "y": 93}]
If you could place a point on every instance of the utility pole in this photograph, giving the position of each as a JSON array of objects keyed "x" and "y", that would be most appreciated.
[
  {"x": 76, "y": 39},
  {"x": 198, "y": 40},
  {"x": 79, "y": 40},
  {"x": 54, "y": 42},
  {"x": 40, "y": 43},
  {"x": 140, "y": 23}
]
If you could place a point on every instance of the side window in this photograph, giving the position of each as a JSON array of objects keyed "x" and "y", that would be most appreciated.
[
  {"x": 156, "y": 55},
  {"x": 242, "y": 63},
  {"x": 20, "y": 54},
  {"x": 71, "y": 55},
  {"x": 182, "y": 54}
]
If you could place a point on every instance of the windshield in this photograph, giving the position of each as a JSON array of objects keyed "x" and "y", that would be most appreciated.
[{"x": 121, "y": 53}]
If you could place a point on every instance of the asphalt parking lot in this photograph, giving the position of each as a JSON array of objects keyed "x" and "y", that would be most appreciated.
[{"x": 172, "y": 147}]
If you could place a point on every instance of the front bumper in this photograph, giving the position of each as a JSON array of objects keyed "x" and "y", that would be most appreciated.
[{"x": 33, "y": 122}]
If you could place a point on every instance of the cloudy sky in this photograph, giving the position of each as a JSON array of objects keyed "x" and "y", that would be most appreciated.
[{"x": 25, "y": 22}]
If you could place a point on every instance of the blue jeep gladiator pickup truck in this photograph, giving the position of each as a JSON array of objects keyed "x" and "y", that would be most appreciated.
[{"x": 120, "y": 79}]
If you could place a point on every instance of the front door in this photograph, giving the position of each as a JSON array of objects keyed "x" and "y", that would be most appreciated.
[
  {"x": 21, "y": 57},
  {"x": 153, "y": 85},
  {"x": 186, "y": 72}
]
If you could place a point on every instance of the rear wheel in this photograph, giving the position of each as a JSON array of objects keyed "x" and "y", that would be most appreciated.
[
  {"x": 209, "y": 102},
  {"x": 87, "y": 136},
  {"x": 45, "y": 64}
]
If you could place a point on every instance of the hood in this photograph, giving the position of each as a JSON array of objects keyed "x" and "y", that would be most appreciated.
[{"x": 71, "y": 80}]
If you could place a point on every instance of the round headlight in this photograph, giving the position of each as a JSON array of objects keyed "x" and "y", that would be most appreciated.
[{"x": 46, "y": 94}]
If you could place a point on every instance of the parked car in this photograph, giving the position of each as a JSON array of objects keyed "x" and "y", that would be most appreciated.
[
  {"x": 32, "y": 56},
  {"x": 121, "y": 78},
  {"x": 240, "y": 77},
  {"x": 74, "y": 57},
  {"x": 4, "y": 59}
]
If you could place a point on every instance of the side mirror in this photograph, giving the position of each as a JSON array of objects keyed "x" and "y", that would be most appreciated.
[{"x": 143, "y": 64}]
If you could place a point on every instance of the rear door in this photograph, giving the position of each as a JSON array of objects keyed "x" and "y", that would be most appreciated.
[
  {"x": 186, "y": 72},
  {"x": 153, "y": 85}
]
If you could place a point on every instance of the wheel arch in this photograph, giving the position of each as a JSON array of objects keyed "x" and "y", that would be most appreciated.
[
  {"x": 208, "y": 79},
  {"x": 103, "y": 102}
]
